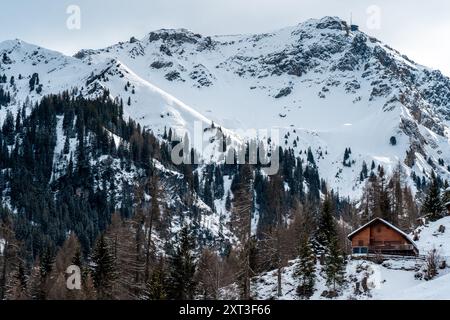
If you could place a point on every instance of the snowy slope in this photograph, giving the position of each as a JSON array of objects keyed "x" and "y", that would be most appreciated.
[
  {"x": 431, "y": 238},
  {"x": 149, "y": 105},
  {"x": 382, "y": 282},
  {"x": 316, "y": 83},
  {"x": 433, "y": 290},
  {"x": 319, "y": 84},
  {"x": 21, "y": 60},
  {"x": 395, "y": 278}
]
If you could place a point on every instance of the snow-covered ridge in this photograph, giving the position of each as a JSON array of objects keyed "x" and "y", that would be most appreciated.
[{"x": 319, "y": 83}]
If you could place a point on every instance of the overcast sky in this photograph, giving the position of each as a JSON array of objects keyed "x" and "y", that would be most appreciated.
[{"x": 420, "y": 29}]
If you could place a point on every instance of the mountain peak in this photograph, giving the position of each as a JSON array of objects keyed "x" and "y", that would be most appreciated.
[
  {"x": 20, "y": 47},
  {"x": 14, "y": 43},
  {"x": 289, "y": 77},
  {"x": 180, "y": 35},
  {"x": 327, "y": 22}
]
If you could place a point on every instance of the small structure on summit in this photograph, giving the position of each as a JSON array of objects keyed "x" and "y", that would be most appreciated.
[{"x": 381, "y": 237}]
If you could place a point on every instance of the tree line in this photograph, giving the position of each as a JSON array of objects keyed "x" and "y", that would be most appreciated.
[{"x": 143, "y": 238}]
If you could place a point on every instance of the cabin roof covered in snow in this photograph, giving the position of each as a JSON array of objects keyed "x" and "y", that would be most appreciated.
[{"x": 386, "y": 223}]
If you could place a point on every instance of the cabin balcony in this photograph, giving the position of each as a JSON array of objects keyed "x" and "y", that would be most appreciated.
[
  {"x": 391, "y": 247},
  {"x": 387, "y": 249}
]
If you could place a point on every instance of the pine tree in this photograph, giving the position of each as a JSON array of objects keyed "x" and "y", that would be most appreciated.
[
  {"x": 364, "y": 172},
  {"x": 432, "y": 204},
  {"x": 207, "y": 192},
  {"x": 34, "y": 80},
  {"x": 241, "y": 220},
  {"x": 209, "y": 275},
  {"x": 396, "y": 195},
  {"x": 306, "y": 270},
  {"x": 384, "y": 200},
  {"x": 8, "y": 128},
  {"x": 346, "y": 161},
  {"x": 17, "y": 286},
  {"x": 152, "y": 217},
  {"x": 326, "y": 227},
  {"x": 334, "y": 265},
  {"x": 310, "y": 157},
  {"x": 228, "y": 201},
  {"x": 103, "y": 268},
  {"x": 9, "y": 259},
  {"x": 129, "y": 265},
  {"x": 219, "y": 189},
  {"x": 66, "y": 148},
  {"x": 156, "y": 285},
  {"x": 69, "y": 254},
  {"x": 41, "y": 276},
  {"x": 181, "y": 281},
  {"x": 35, "y": 282},
  {"x": 275, "y": 252}
]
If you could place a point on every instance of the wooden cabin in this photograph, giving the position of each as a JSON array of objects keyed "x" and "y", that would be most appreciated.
[{"x": 380, "y": 236}]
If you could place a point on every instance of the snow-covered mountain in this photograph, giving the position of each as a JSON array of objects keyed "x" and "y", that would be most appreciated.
[
  {"x": 322, "y": 83},
  {"x": 152, "y": 107},
  {"x": 32, "y": 72}
]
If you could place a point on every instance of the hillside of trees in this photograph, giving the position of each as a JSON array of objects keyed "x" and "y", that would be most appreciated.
[{"x": 143, "y": 237}]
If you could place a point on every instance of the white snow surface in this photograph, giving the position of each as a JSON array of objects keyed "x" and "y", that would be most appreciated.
[
  {"x": 394, "y": 279},
  {"x": 317, "y": 85}
]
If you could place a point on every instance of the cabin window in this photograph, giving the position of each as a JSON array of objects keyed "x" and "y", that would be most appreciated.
[{"x": 360, "y": 250}]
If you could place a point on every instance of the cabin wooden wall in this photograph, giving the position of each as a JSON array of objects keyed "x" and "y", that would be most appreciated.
[
  {"x": 364, "y": 236},
  {"x": 377, "y": 232},
  {"x": 381, "y": 232}
]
